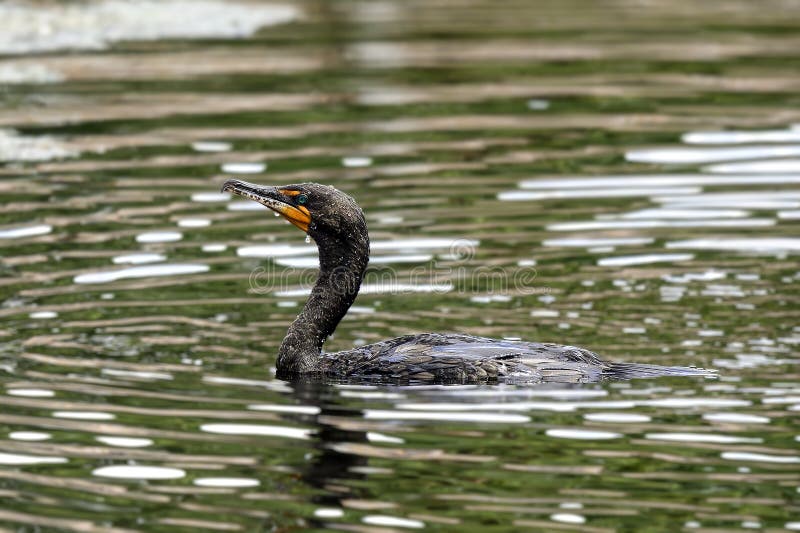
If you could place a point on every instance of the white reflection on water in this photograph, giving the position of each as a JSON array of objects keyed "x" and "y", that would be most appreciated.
[
  {"x": 194, "y": 223},
  {"x": 373, "y": 436},
  {"x": 770, "y": 245},
  {"x": 361, "y": 309},
  {"x": 589, "y": 242},
  {"x": 392, "y": 521},
  {"x": 741, "y": 200},
  {"x": 389, "y": 259},
  {"x": 423, "y": 243},
  {"x": 623, "y": 418},
  {"x": 702, "y": 437},
  {"x": 769, "y": 166},
  {"x": 581, "y": 434},
  {"x": 207, "y": 197},
  {"x": 537, "y": 104},
  {"x": 257, "y": 429},
  {"x": 741, "y": 137},
  {"x": 736, "y": 418},
  {"x": 84, "y": 415},
  {"x": 298, "y": 409},
  {"x": 645, "y": 224},
  {"x": 214, "y": 247},
  {"x": 356, "y": 162},
  {"x": 594, "y": 192},
  {"x": 229, "y": 482},
  {"x": 501, "y": 391},
  {"x": 141, "y": 272},
  {"x": 137, "y": 259},
  {"x": 29, "y": 435},
  {"x": 568, "y": 518},
  {"x": 760, "y": 457},
  {"x": 42, "y": 315},
  {"x": 328, "y": 513},
  {"x": 124, "y": 442},
  {"x": 159, "y": 236},
  {"x": 695, "y": 402},
  {"x": 136, "y": 374},
  {"x": 274, "y": 385},
  {"x": 485, "y": 299},
  {"x": 698, "y": 211},
  {"x": 687, "y": 277},
  {"x": 653, "y": 182},
  {"x": 31, "y": 393},
  {"x": 570, "y": 505},
  {"x": 781, "y": 400},
  {"x": 644, "y": 259},
  {"x": 25, "y": 231},
  {"x": 687, "y": 156},
  {"x": 243, "y": 168},
  {"x": 492, "y": 418},
  {"x": 488, "y": 406},
  {"x": 749, "y": 360},
  {"x": 17, "y": 459},
  {"x": 275, "y": 250},
  {"x": 211, "y": 146},
  {"x": 139, "y": 472}
]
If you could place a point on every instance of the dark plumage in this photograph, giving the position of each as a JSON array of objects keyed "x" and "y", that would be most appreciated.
[{"x": 337, "y": 225}]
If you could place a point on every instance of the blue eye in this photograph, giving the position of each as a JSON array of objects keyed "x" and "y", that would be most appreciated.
[{"x": 301, "y": 199}]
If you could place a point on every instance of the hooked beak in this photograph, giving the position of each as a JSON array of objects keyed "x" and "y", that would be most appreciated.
[{"x": 271, "y": 197}]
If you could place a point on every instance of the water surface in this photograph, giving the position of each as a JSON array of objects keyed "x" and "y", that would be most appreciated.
[{"x": 617, "y": 176}]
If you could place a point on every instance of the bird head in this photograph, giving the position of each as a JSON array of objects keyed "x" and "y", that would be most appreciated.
[{"x": 319, "y": 210}]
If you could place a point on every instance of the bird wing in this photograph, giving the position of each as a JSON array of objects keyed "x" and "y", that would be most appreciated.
[{"x": 462, "y": 358}]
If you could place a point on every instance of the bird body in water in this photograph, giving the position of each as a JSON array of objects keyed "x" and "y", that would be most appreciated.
[{"x": 337, "y": 224}]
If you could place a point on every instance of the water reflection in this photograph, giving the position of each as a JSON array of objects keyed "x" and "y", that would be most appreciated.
[
  {"x": 694, "y": 156},
  {"x": 25, "y": 231},
  {"x": 140, "y": 272},
  {"x": 20, "y": 459},
  {"x": 139, "y": 472},
  {"x": 330, "y": 469}
]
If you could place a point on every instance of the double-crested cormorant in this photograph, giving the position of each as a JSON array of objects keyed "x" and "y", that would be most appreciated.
[{"x": 337, "y": 224}]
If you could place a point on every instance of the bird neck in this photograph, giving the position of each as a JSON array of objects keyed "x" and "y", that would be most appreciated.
[{"x": 342, "y": 266}]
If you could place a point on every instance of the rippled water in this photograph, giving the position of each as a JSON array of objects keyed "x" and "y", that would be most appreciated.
[{"x": 621, "y": 176}]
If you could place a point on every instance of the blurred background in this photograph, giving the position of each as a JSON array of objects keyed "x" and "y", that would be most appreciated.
[{"x": 620, "y": 175}]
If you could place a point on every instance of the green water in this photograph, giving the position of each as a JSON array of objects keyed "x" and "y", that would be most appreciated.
[{"x": 464, "y": 130}]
